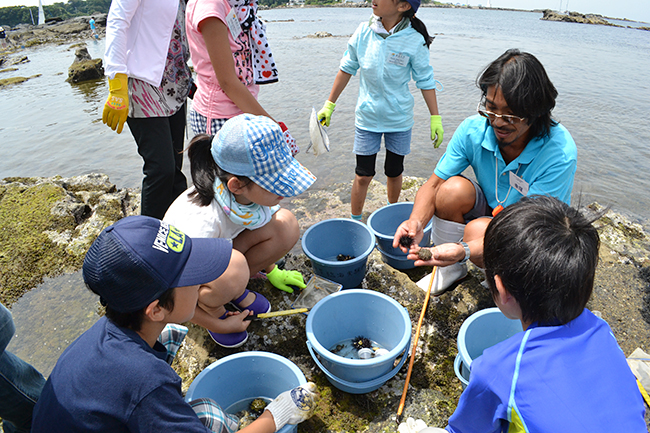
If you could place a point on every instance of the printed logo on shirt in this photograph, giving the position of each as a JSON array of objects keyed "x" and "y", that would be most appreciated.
[{"x": 398, "y": 59}]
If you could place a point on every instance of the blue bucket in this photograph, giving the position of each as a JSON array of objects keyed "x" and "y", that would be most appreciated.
[
  {"x": 480, "y": 331},
  {"x": 395, "y": 261},
  {"x": 235, "y": 380},
  {"x": 346, "y": 315},
  {"x": 325, "y": 240},
  {"x": 384, "y": 222}
]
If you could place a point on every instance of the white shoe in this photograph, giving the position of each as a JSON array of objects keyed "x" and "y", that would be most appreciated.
[{"x": 445, "y": 277}]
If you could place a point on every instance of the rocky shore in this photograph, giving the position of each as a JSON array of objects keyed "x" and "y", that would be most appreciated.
[{"x": 47, "y": 224}]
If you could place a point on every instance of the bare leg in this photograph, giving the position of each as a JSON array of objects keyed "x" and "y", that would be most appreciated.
[
  {"x": 359, "y": 191},
  {"x": 455, "y": 198},
  {"x": 394, "y": 187},
  {"x": 266, "y": 245},
  {"x": 212, "y": 297}
]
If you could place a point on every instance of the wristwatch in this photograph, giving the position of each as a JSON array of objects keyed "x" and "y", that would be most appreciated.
[{"x": 467, "y": 252}]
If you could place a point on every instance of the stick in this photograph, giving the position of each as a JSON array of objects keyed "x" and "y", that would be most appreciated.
[
  {"x": 277, "y": 313},
  {"x": 643, "y": 392},
  {"x": 414, "y": 347}
]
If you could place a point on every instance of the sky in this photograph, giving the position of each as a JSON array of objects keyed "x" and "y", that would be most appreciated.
[{"x": 638, "y": 10}]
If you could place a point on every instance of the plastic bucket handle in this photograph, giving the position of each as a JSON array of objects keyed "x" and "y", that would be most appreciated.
[{"x": 369, "y": 384}]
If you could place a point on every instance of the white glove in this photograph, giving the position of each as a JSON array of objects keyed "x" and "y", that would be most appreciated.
[
  {"x": 294, "y": 406},
  {"x": 411, "y": 426}
]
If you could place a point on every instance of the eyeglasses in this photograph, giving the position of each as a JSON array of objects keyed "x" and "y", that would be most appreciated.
[{"x": 508, "y": 118}]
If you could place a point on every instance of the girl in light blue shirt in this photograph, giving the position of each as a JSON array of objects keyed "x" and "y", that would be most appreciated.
[{"x": 388, "y": 50}]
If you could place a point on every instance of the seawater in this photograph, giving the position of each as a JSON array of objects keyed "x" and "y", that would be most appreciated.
[
  {"x": 346, "y": 348},
  {"x": 49, "y": 127}
]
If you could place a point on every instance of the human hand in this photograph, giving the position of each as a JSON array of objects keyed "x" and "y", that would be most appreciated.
[
  {"x": 441, "y": 255},
  {"x": 436, "y": 130},
  {"x": 325, "y": 113},
  {"x": 282, "y": 279},
  {"x": 289, "y": 139},
  {"x": 294, "y": 406},
  {"x": 233, "y": 322},
  {"x": 116, "y": 108},
  {"x": 409, "y": 228}
]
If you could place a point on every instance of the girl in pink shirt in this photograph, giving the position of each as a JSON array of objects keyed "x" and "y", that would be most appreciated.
[{"x": 231, "y": 57}]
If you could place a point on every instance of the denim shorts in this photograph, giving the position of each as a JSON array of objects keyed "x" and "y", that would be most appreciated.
[{"x": 369, "y": 143}]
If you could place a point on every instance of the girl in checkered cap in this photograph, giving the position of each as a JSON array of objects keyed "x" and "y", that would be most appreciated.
[{"x": 240, "y": 176}]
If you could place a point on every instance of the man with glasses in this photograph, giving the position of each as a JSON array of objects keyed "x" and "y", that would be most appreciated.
[{"x": 515, "y": 149}]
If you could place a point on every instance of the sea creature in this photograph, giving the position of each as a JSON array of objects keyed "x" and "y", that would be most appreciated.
[
  {"x": 424, "y": 254},
  {"x": 360, "y": 342},
  {"x": 343, "y": 257},
  {"x": 320, "y": 142},
  {"x": 258, "y": 405},
  {"x": 405, "y": 241}
]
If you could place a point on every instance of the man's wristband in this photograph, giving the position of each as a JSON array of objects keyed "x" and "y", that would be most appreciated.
[{"x": 467, "y": 252}]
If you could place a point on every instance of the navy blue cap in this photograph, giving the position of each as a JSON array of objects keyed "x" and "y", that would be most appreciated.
[
  {"x": 415, "y": 4},
  {"x": 137, "y": 259}
]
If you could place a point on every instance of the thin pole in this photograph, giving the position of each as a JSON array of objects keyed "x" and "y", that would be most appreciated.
[{"x": 400, "y": 409}]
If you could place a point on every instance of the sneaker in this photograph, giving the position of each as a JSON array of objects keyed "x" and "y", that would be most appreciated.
[
  {"x": 445, "y": 278},
  {"x": 260, "y": 304},
  {"x": 229, "y": 341}
]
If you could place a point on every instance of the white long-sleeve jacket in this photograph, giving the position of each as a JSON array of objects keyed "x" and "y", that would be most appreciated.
[{"x": 138, "y": 33}]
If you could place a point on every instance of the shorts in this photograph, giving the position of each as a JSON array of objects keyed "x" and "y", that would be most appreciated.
[
  {"x": 369, "y": 143},
  {"x": 199, "y": 123},
  {"x": 481, "y": 207}
]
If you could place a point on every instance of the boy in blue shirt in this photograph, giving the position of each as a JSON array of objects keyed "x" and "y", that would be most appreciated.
[
  {"x": 565, "y": 372},
  {"x": 115, "y": 377}
]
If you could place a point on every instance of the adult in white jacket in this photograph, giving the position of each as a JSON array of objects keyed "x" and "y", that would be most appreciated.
[{"x": 146, "y": 65}]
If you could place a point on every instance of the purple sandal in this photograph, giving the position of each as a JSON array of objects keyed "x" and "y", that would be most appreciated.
[{"x": 260, "y": 304}]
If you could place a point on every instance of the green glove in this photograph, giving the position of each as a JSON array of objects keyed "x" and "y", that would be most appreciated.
[
  {"x": 325, "y": 113},
  {"x": 116, "y": 108},
  {"x": 294, "y": 406},
  {"x": 281, "y": 279},
  {"x": 436, "y": 130}
]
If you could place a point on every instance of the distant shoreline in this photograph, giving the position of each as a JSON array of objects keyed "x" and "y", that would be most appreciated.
[{"x": 366, "y": 4}]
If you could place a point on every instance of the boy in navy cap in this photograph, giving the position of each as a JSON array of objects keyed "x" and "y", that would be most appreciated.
[{"x": 115, "y": 377}]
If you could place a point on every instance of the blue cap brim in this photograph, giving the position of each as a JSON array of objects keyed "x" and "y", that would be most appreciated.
[
  {"x": 294, "y": 179},
  {"x": 208, "y": 260}
]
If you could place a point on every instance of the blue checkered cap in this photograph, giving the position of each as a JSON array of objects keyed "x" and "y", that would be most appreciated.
[{"x": 254, "y": 146}]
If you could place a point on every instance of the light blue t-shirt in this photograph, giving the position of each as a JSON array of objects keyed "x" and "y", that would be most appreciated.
[
  {"x": 385, "y": 68},
  {"x": 547, "y": 164}
]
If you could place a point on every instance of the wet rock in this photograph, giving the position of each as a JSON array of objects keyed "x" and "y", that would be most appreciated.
[
  {"x": 576, "y": 17},
  {"x": 16, "y": 80},
  {"x": 85, "y": 68},
  {"x": 47, "y": 225}
]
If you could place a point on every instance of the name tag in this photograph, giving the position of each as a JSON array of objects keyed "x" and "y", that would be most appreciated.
[
  {"x": 519, "y": 184},
  {"x": 398, "y": 59},
  {"x": 233, "y": 24}
]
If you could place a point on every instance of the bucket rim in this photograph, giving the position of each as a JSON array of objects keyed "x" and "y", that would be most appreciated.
[
  {"x": 359, "y": 258},
  {"x": 462, "y": 349},
  {"x": 329, "y": 356},
  {"x": 251, "y": 354},
  {"x": 383, "y": 208}
]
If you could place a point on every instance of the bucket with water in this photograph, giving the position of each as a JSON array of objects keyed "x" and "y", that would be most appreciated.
[{"x": 350, "y": 313}]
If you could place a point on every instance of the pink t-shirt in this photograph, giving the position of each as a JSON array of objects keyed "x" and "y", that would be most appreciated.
[{"x": 210, "y": 100}]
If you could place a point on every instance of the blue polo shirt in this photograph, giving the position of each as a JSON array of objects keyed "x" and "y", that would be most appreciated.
[{"x": 548, "y": 164}]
